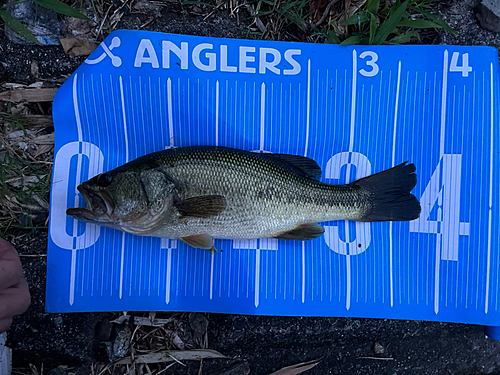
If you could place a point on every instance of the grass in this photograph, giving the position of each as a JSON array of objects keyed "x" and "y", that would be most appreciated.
[
  {"x": 26, "y": 158},
  {"x": 54, "y": 5},
  {"x": 345, "y": 22}
]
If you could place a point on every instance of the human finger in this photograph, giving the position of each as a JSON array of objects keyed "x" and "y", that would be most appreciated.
[
  {"x": 14, "y": 300},
  {"x": 5, "y": 324},
  {"x": 10, "y": 266}
]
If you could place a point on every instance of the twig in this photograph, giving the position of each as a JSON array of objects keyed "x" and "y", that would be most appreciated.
[
  {"x": 103, "y": 20},
  {"x": 258, "y": 22},
  {"x": 176, "y": 360},
  {"x": 378, "y": 358},
  {"x": 135, "y": 330},
  {"x": 166, "y": 368},
  {"x": 325, "y": 13}
]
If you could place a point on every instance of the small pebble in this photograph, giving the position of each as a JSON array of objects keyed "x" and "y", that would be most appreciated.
[
  {"x": 378, "y": 348},
  {"x": 57, "y": 371},
  {"x": 103, "y": 329},
  {"x": 239, "y": 324}
]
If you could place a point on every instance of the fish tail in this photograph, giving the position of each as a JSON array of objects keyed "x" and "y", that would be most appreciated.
[{"x": 388, "y": 193}]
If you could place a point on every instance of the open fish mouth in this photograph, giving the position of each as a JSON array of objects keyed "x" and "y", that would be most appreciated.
[{"x": 99, "y": 206}]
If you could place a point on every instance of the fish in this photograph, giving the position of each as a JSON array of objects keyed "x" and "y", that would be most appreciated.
[{"x": 200, "y": 193}]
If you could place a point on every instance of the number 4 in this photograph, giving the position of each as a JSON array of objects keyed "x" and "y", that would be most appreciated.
[
  {"x": 465, "y": 68},
  {"x": 443, "y": 193}
]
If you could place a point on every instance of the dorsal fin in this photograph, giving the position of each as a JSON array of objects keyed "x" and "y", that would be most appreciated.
[{"x": 304, "y": 166}]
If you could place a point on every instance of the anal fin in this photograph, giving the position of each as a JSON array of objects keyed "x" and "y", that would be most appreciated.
[
  {"x": 200, "y": 241},
  {"x": 303, "y": 232}
]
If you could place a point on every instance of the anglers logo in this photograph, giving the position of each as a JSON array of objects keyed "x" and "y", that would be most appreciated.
[{"x": 115, "y": 60}]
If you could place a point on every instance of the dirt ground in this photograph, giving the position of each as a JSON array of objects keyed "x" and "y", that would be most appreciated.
[{"x": 252, "y": 344}]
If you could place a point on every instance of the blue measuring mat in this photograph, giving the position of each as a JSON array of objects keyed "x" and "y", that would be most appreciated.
[{"x": 356, "y": 110}]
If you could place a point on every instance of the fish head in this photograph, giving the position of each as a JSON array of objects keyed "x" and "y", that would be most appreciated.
[{"x": 125, "y": 199}]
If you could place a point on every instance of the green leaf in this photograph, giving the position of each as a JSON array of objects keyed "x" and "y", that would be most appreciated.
[
  {"x": 373, "y": 28},
  {"x": 332, "y": 37},
  {"x": 438, "y": 20},
  {"x": 404, "y": 38},
  {"x": 17, "y": 26},
  {"x": 59, "y": 7},
  {"x": 357, "y": 18},
  {"x": 390, "y": 23},
  {"x": 420, "y": 24},
  {"x": 372, "y": 6},
  {"x": 351, "y": 40}
]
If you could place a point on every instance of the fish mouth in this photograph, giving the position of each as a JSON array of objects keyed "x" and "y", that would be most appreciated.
[{"x": 100, "y": 206}]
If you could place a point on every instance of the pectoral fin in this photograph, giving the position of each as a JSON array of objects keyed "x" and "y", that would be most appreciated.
[
  {"x": 202, "y": 206},
  {"x": 303, "y": 232},
  {"x": 200, "y": 241}
]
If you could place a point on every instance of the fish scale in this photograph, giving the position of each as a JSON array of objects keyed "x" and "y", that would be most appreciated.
[{"x": 249, "y": 212}]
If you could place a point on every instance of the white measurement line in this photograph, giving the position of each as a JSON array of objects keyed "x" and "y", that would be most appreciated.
[
  {"x": 160, "y": 109},
  {"x": 443, "y": 103},
  {"x": 168, "y": 244},
  {"x": 261, "y": 148},
  {"x": 78, "y": 178},
  {"x": 308, "y": 106},
  {"x": 149, "y": 267},
  {"x": 72, "y": 276},
  {"x": 393, "y": 162},
  {"x": 303, "y": 271},
  {"x": 396, "y": 108},
  {"x": 124, "y": 119},
  {"x": 257, "y": 277},
  {"x": 348, "y": 280},
  {"x": 444, "y": 91},
  {"x": 488, "y": 258},
  {"x": 92, "y": 156},
  {"x": 77, "y": 111},
  {"x": 284, "y": 277},
  {"x": 158, "y": 273},
  {"x": 353, "y": 103},
  {"x": 262, "y": 114},
  {"x": 217, "y": 103},
  {"x": 348, "y": 173},
  {"x": 170, "y": 114},
  {"x": 211, "y": 283},
  {"x": 308, "y": 113}
]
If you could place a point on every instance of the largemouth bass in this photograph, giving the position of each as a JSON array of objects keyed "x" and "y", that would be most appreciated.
[{"x": 197, "y": 194}]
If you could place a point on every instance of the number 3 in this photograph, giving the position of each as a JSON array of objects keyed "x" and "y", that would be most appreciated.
[{"x": 371, "y": 63}]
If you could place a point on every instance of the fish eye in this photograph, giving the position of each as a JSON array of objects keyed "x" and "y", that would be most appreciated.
[{"x": 104, "y": 179}]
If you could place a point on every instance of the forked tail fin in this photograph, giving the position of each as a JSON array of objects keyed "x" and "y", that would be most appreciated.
[{"x": 389, "y": 194}]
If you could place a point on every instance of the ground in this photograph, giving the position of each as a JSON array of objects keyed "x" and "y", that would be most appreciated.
[{"x": 252, "y": 344}]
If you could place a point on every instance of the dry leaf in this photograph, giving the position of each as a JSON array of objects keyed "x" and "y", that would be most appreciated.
[
  {"x": 18, "y": 182},
  {"x": 173, "y": 355},
  {"x": 43, "y": 149},
  {"x": 46, "y": 139},
  {"x": 77, "y": 47},
  {"x": 297, "y": 369},
  {"x": 42, "y": 202},
  {"x": 12, "y": 85}
]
